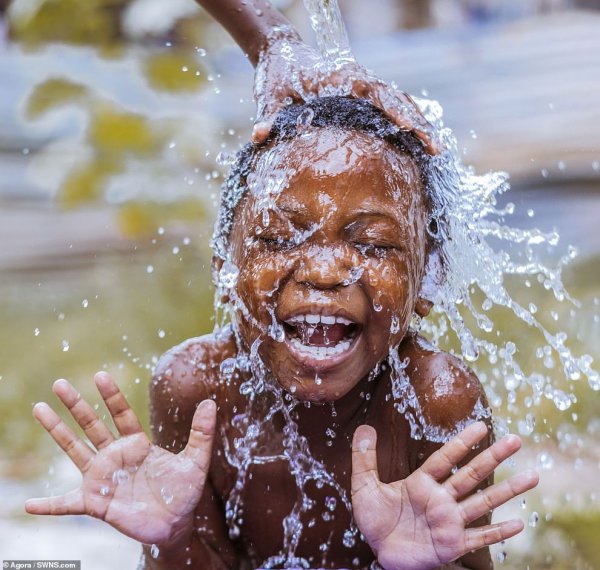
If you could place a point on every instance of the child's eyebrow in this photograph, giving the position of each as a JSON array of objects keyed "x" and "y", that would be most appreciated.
[
  {"x": 290, "y": 209},
  {"x": 374, "y": 213}
]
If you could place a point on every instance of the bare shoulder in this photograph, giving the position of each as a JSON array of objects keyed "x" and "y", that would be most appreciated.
[
  {"x": 191, "y": 369},
  {"x": 448, "y": 391},
  {"x": 184, "y": 376}
]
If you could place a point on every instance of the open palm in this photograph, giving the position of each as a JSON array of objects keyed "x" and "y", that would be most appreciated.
[
  {"x": 138, "y": 488},
  {"x": 422, "y": 521}
]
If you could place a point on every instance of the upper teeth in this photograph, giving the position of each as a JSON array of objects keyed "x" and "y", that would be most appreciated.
[{"x": 318, "y": 319}]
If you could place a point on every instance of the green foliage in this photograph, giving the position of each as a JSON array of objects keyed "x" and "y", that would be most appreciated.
[
  {"x": 144, "y": 218},
  {"x": 55, "y": 93},
  {"x": 583, "y": 529},
  {"x": 89, "y": 22},
  {"x": 112, "y": 314},
  {"x": 174, "y": 71}
]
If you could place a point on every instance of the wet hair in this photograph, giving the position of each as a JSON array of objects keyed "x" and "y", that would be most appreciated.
[{"x": 338, "y": 112}]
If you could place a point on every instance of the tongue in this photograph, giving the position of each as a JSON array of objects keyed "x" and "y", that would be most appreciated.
[{"x": 323, "y": 335}]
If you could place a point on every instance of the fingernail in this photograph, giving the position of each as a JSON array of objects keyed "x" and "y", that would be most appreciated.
[
  {"x": 515, "y": 525},
  {"x": 205, "y": 404}
]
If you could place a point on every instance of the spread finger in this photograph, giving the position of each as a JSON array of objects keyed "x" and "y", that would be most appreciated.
[
  {"x": 79, "y": 453},
  {"x": 94, "y": 428},
  {"x": 482, "y": 466},
  {"x": 482, "y": 503},
  {"x": 440, "y": 464},
  {"x": 125, "y": 420},
  {"x": 476, "y": 538}
]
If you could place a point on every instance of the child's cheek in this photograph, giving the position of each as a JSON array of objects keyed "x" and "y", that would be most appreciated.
[
  {"x": 260, "y": 279},
  {"x": 392, "y": 289}
]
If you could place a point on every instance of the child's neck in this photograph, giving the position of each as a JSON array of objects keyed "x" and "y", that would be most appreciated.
[{"x": 344, "y": 414}]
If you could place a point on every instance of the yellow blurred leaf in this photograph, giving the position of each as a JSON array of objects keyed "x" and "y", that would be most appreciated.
[
  {"x": 139, "y": 219},
  {"x": 54, "y": 93},
  {"x": 174, "y": 71},
  {"x": 82, "y": 22},
  {"x": 86, "y": 182},
  {"x": 120, "y": 132}
]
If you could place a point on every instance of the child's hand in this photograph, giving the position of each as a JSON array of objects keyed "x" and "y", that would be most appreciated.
[
  {"x": 142, "y": 490},
  {"x": 290, "y": 70},
  {"x": 420, "y": 522}
]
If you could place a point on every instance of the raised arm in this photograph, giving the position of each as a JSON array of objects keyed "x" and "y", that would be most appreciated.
[
  {"x": 173, "y": 401},
  {"x": 251, "y": 24}
]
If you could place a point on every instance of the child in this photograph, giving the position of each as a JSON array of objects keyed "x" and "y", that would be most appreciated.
[{"x": 269, "y": 426}]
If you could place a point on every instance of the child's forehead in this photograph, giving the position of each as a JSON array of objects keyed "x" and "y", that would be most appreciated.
[
  {"x": 336, "y": 162},
  {"x": 331, "y": 151}
]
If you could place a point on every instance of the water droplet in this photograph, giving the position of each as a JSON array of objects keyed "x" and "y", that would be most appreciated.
[
  {"x": 154, "y": 551},
  {"x": 304, "y": 120},
  {"x": 533, "y": 519},
  {"x": 120, "y": 476},
  {"x": 85, "y": 303},
  {"x": 65, "y": 346},
  {"x": 150, "y": 269},
  {"x": 104, "y": 490},
  {"x": 167, "y": 495},
  {"x": 161, "y": 333},
  {"x": 36, "y": 332},
  {"x": 225, "y": 159}
]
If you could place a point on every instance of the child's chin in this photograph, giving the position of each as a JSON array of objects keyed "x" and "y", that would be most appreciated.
[{"x": 310, "y": 392}]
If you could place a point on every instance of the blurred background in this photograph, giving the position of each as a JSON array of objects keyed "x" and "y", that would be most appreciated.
[{"x": 113, "y": 118}]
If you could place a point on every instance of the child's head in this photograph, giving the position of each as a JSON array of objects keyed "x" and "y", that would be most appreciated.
[{"x": 326, "y": 228}]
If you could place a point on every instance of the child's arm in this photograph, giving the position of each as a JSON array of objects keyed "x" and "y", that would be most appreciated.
[
  {"x": 434, "y": 503},
  {"x": 252, "y": 24},
  {"x": 174, "y": 393},
  {"x": 287, "y": 69},
  {"x": 145, "y": 492}
]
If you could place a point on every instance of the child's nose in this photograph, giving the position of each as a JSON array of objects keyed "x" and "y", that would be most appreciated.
[{"x": 326, "y": 267}]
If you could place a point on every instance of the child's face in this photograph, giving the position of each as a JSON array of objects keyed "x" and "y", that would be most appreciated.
[{"x": 334, "y": 259}]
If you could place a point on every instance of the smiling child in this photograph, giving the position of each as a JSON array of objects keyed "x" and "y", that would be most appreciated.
[{"x": 265, "y": 432}]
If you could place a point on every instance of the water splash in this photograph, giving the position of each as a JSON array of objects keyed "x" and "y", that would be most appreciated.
[{"x": 330, "y": 31}]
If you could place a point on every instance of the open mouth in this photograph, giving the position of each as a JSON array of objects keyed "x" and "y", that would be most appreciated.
[{"x": 320, "y": 337}]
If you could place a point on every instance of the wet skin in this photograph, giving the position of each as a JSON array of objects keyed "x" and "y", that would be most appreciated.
[{"x": 360, "y": 203}]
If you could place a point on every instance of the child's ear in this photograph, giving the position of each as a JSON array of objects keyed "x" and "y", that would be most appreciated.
[{"x": 423, "y": 306}]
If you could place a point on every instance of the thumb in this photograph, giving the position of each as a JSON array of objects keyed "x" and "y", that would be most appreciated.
[
  {"x": 199, "y": 446},
  {"x": 269, "y": 108},
  {"x": 364, "y": 459},
  {"x": 267, "y": 111},
  {"x": 261, "y": 130}
]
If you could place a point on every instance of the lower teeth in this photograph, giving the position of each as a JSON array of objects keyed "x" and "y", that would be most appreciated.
[{"x": 321, "y": 351}]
